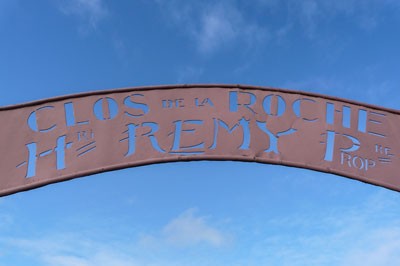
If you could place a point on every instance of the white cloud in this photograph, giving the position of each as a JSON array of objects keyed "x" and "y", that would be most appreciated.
[
  {"x": 72, "y": 250},
  {"x": 215, "y": 29},
  {"x": 213, "y": 26},
  {"x": 308, "y": 12},
  {"x": 345, "y": 236},
  {"x": 380, "y": 247},
  {"x": 90, "y": 11},
  {"x": 100, "y": 258},
  {"x": 188, "y": 230},
  {"x": 312, "y": 14},
  {"x": 317, "y": 17},
  {"x": 368, "y": 234}
]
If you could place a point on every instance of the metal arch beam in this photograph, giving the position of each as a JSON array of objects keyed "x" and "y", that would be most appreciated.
[{"x": 62, "y": 138}]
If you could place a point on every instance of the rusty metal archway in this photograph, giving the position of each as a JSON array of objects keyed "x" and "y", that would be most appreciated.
[{"x": 58, "y": 139}]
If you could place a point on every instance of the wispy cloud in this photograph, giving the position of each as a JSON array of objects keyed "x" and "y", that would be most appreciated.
[
  {"x": 91, "y": 12},
  {"x": 71, "y": 250},
  {"x": 222, "y": 24},
  {"x": 375, "y": 90},
  {"x": 211, "y": 25},
  {"x": 187, "y": 230},
  {"x": 362, "y": 234},
  {"x": 381, "y": 247},
  {"x": 314, "y": 15},
  {"x": 346, "y": 236},
  {"x": 217, "y": 26}
]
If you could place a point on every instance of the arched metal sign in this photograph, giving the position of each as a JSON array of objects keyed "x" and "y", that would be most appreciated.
[{"x": 62, "y": 138}]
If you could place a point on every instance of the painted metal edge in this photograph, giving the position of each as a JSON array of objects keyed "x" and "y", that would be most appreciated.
[
  {"x": 182, "y": 86},
  {"x": 191, "y": 159}
]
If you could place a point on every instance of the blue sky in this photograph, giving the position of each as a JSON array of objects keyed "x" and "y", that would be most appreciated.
[{"x": 201, "y": 213}]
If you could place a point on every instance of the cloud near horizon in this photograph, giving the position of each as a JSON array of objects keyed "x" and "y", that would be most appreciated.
[
  {"x": 343, "y": 236},
  {"x": 188, "y": 230}
]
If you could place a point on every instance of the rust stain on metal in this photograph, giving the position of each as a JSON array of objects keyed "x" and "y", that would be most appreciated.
[{"x": 67, "y": 137}]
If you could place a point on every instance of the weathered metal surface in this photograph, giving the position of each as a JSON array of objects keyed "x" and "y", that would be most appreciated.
[{"x": 67, "y": 137}]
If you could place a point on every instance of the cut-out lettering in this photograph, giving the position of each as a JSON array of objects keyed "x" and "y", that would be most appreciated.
[
  {"x": 176, "y": 103},
  {"x": 66, "y": 137},
  {"x": 330, "y": 144},
  {"x": 354, "y": 161},
  {"x": 142, "y": 108},
  {"x": 243, "y": 123},
  {"x": 273, "y": 138},
  {"x": 86, "y": 148},
  {"x": 33, "y": 121},
  {"x": 105, "y": 108},
  {"x": 205, "y": 102},
  {"x": 362, "y": 120},
  {"x": 346, "y": 118},
  {"x": 385, "y": 153},
  {"x": 268, "y": 106},
  {"x": 131, "y": 138},
  {"x": 234, "y": 102},
  {"x": 196, "y": 148},
  {"x": 297, "y": 109},
  {"x": 33, "y": 155},
  {"x": 375, "y": 118},
  {"x": 70, "y": 115},
  {"x": 85, "y": 135}
]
